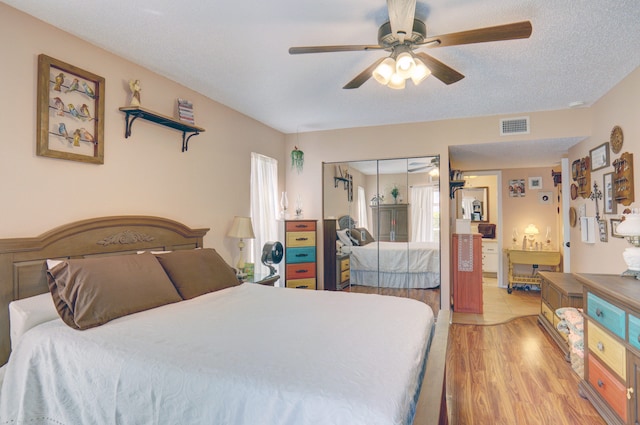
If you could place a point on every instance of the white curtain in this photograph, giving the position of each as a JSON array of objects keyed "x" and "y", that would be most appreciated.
[
  {"x": 264, "y": 206},
  {"x": 362, "y": 209},
  {"x": 425, "y": 214}
]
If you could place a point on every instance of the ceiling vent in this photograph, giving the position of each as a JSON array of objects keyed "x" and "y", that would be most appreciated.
[{"x": 518, "y": 125}]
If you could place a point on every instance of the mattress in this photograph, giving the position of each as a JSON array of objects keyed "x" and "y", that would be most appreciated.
[
  {"x": 243, "y": 355},
  {"x": 396, "y": 264}
]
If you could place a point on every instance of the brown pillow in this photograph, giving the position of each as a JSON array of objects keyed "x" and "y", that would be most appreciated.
[
  {"x": 197, "y": 271},
  {"x": 362, "y": 236},
  {"x": 92, "y": 291}
]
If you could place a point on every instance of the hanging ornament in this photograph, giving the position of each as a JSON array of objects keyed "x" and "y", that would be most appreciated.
[{"x": 297, "y": 159}]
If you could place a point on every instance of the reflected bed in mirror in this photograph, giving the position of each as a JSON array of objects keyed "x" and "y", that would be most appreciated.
[{"x": 472, "y": 203}]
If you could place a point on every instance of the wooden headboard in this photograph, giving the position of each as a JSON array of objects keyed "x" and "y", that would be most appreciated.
[{"x": 22, "y": 260}]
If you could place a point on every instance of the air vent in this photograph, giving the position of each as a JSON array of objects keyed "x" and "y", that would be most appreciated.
[{"x": 514, "y": 126}]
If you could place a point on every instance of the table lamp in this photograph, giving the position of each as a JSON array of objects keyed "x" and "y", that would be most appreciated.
[
  {"x": 630, "y": 229},
  {"x": 531, "y": 231},
  {"x": 241, "y": 228}
]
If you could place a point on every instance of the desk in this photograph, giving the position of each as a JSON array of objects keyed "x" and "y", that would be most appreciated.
[
  {"x": 262, "y": 279},
  {"x": 535, "y": 258}
]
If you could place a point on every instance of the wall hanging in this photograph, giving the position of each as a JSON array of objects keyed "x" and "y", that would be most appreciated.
[
  {"x": 70, "y": 112},
  {"x": 297, "y": 159}
]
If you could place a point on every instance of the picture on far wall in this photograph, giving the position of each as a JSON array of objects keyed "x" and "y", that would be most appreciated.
[
  {"x": 535, "y": 182},
  {"x": 70, "y": 112},
  {"x": 610, "y": 204},
  {"x": 614, "y": 227},
  {"x": 516, "y": 188}
]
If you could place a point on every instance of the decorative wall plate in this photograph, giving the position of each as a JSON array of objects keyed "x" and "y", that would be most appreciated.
[
  {"x": 574, "y": 191},
  {"x": 573, "y": 217},
  {"x": 616, "y": 139}
]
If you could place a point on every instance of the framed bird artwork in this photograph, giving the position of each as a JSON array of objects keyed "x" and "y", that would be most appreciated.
[{"x": 70, "y": 112}]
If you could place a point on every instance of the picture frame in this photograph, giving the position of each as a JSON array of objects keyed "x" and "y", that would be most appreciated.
[
  {"x": 599, "y": 157},
  {"x": 535, "y": 183},
  {"x": 602, "y": 228},
  {"x": 70, "y": 111},
  {"x": 610, "y": 204},
  {"x": 545, "y": 198},
  {"x": 516, "y": 188},
  {"x": 614, "y": 227}
]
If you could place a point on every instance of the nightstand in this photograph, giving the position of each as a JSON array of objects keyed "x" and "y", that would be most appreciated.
[{"x": 262, "y": 279}]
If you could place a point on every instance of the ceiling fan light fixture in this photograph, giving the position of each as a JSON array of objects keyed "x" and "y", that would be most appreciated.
[
  {"x": 396, "y": 82},
  {"x": 420, "y": 72},
  {"x": 384, "y": 71},
  {"x": 405, "y": 64}
]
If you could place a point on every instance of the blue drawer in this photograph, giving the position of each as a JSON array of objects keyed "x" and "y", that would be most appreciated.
[
  {"x": 301, "y": 255},
  {"x": 607, "y": 314},
  {"x": 634, "y": 331}
]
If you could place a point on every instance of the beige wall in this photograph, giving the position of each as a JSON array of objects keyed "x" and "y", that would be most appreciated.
[
  {"x": 145, "y": 174},
  {"x": 621, "y": 107}
]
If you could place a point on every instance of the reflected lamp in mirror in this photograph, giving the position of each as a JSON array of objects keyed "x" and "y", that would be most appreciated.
[
  {"x": 531, "y": 231},
  {"x": 241, "y": 228},
  {"x": 630, "y": 229}
]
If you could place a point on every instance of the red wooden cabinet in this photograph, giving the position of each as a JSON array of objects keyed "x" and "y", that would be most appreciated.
[{"x": 466, "y": 269}]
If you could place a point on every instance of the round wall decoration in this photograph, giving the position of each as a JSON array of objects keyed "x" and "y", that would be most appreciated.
[
  {"x": 574, "y": 191},
  {"x": 572, "y": 217},
  {"x": 616, "y": 139}
]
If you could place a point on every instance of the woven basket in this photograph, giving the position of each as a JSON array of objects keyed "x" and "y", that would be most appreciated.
[{"x": 577, "y": 364}]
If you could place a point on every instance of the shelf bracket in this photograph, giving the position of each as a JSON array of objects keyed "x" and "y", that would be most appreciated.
[
  {"x": 128, "y": 123},
  {"x": 185, "y": 141}
]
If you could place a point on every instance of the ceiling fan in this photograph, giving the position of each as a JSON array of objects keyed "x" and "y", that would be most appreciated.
[
  {"x": 416, "y": 166},
  {"x": 402, "y": 35}
]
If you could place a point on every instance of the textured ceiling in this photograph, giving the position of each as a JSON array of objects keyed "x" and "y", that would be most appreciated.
[{"x": 236, "y": 52}]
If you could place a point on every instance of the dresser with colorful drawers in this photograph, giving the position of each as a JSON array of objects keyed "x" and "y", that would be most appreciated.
[
  {"x": 612, "y": 346},
  {"x": 300, "y": 253}
]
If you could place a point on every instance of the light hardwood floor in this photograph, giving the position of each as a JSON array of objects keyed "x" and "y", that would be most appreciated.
[{"x": 512, "y": 373}]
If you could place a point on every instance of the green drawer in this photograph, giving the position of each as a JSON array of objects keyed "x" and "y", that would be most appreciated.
[{"x": 607, "y": 314}]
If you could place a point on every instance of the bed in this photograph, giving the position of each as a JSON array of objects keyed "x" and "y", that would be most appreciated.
[
  {"x": 217, "y": 357},
  {"x": 397, "y": 265}
]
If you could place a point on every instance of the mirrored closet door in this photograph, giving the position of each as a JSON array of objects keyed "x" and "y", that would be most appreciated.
[{"x": 382, "y": 227}]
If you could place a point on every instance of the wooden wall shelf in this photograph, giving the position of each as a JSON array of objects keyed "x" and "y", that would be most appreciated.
[
  {"x": 134, "y": 112},
  {"x": 623, "y": 179}
]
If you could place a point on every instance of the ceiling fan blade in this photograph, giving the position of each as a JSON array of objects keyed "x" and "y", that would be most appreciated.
[
  {"x": 401, "y": 14},
  {"x": 325, "y": 49},
  {"x": 482, "y": 35},
  {"x": 442, "y": 72},
  {"x": 363, "y": 76}
]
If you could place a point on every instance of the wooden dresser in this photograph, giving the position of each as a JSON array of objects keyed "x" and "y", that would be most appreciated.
[
  {"x": 558, "y": 290},
  {"x": 612, "y": 346},
  {"x": 300, "y": 253},
  {"x": 391, "y": 222},
  {"x": 466, "y": 269},
  {"x": 336, "y": 266}
]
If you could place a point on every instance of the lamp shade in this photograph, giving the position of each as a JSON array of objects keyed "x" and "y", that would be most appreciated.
[
  {"x": 630, "y": 226},
  {"x": 241, "y": 228},
  {"x": 531, "y": 230}
]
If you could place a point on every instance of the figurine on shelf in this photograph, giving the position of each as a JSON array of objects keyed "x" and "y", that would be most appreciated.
[{"x": 134, "y": 85}]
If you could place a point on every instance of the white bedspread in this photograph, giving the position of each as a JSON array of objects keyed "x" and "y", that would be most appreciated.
[
  {"x": 396, "y": 264},
  {"x": 244, "y": 355}
]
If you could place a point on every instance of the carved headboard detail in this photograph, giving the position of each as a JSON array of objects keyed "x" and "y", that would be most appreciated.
[{"x": 22, "y": 260}]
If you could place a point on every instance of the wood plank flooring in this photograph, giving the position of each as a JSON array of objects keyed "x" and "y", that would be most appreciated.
[
  {"x": 431, "y": 297},
  {"x": 512, "y": 373}
]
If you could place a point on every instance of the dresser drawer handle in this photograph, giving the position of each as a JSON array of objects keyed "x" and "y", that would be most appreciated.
[
  {"x": 302, "y": 255},
  {"x": 302, "y": 286},
  {"x": 301, "y": 226},
  {"x": 600, "y": 346},
  {"x": 598, "y": 312},
  {"x": 302, "y": 239},
  {"x": 600, "y": 383},
  {"x": 302, "y": 271}
]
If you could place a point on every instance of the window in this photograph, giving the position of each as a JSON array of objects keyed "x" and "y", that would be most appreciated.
[
  {"x": 425, "y": 214},
  {"x": 362, "y": 208},
  {"x": 264, "y": 206}
]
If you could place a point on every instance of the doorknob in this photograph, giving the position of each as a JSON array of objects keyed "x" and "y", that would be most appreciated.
[{"x": 568, "y": 244}]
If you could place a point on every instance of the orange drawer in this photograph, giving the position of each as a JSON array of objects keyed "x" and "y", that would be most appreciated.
[
  {"x": 300, "y": 226},
  {"x": 612, "y": 390},
  {"x": 301, "y": 271}
]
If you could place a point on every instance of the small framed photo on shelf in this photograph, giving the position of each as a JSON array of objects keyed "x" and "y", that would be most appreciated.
[
  {"x": 599, "y": 156},
  {"x": 610, "y": 204},
  {"x": 535, "y": 182},
  {"x": 70, "y": 112},
  {"x": 614, "y": 228}
]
